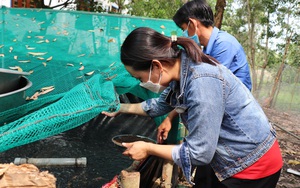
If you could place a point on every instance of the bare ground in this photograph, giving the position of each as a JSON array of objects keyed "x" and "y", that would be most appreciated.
[{"x": 287, "y": 125}]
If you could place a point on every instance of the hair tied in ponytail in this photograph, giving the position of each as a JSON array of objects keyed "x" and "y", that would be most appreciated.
[{"x": 174, "y": 42}]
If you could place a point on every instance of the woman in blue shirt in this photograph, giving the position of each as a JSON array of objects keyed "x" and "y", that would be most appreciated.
[{"x": 226, "y": 126}]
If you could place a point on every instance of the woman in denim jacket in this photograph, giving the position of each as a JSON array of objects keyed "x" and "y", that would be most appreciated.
[{"x": 226, "y": 126}]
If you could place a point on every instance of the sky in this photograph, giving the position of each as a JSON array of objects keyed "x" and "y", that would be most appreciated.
[{"x": 5, "y": 3}]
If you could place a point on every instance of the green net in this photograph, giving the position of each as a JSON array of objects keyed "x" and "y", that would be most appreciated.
[{"x": 74, "y": 53}]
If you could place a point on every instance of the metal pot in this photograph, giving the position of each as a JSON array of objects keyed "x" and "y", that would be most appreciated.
[{"x": 13, "y": 85}]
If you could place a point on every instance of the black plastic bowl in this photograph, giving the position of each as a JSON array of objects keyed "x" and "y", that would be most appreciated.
[{"x": 119, "y": 139}]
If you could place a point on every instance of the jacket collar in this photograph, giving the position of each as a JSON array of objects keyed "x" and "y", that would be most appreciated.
[{"x": 184, "y": 67}]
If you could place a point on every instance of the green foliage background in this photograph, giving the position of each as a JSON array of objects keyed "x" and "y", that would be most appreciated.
[{"x": 164, "y": 9}]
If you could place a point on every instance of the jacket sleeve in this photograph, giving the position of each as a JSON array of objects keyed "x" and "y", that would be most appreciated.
[{"x": 157, "y": 106}]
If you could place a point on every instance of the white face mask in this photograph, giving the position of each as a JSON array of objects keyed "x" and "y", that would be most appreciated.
[{"x": 154, "y": 87}]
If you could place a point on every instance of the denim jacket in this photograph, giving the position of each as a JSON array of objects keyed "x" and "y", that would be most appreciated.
[{"x": 226, "y": 126}]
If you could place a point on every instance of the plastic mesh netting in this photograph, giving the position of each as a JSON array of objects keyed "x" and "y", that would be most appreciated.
[{"x": 77, "y": 54}]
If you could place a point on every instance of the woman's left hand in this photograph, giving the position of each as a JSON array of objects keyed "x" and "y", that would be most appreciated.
[{"x": 136, "y": 150}]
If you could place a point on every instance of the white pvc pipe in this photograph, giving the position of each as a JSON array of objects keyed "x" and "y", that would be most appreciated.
[{"x": 77, "y": 162}]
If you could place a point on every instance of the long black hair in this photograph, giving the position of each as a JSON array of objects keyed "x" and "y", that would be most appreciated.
[{"x": 144, "y": 44}]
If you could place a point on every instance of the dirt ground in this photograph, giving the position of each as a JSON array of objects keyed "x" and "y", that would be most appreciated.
[{"x": 287, "y": 125}]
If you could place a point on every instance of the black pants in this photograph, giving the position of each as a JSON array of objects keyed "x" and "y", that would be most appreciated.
[
  {"x": 206, "y": 178},
  {"x": 267, "y": 182}
]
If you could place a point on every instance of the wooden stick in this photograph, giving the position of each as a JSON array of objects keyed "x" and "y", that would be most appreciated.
[{"x": 167, "y": 174}]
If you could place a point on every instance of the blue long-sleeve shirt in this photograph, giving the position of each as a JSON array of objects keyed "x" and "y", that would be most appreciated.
[{"x": 229, "y": 52}]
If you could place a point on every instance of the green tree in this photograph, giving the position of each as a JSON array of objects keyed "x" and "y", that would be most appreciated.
[
  {"x": 164, "y": 9},
  {"x": 241, "y": 19},
  {"x": 294, "y": 61},
  {"x": 265, "y": 36},
  {"x": 255, "y": 10},
  {"x": 219, "y": 12},
  {"x": 87, "y": 5},
  {"x": 287, "y": 9}
]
